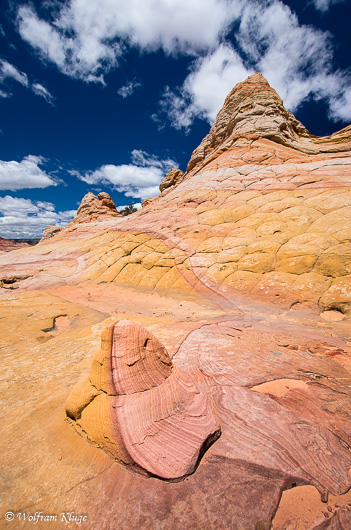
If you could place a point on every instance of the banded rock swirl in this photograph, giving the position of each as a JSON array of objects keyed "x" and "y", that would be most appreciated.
[
  {"x": 204, "y": 340},
  {"x": 141, "y": 410}
]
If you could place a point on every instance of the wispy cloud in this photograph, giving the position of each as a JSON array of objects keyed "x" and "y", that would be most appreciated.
[
  {"x": 24, "y": 175},
  {"x": 23, "y": 218},
  {"x": 324, "y": 5},
  {"x": 140, "y": 179},
  {"x": 40, "y": 90},
  {"x": 204, "y": 90},
  {"x": 128, "y": 89},
  {"x": 9, "y": 72}
]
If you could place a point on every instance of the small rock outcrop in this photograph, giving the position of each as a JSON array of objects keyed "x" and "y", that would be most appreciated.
[
  {"x": 50, "y": 232},
  {"x": 93, "y": 208},
  {"x": 174, "y": 177},
  {"x": 140, "y": 408},
  {"x": 146, "y": 202}
]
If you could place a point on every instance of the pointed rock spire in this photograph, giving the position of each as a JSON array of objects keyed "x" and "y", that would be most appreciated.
[{"x": 251, "y": 110}]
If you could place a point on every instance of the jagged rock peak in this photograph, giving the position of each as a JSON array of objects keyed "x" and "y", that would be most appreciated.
[{"x": 253, "y": 109}]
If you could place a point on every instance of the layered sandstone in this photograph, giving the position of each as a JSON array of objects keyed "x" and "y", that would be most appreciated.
[
  {"x": 49, "y": 232},
  {"x": 93, "y": 208},
  {"x": 175, "y": 176},
  {"x": 263, "y": 210},
  {"x": 140, "y": 409},
  {"x": 225, "y": 304}
]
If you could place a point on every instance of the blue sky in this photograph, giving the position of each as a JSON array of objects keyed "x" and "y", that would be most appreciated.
[{"x": 108, "y": 95}]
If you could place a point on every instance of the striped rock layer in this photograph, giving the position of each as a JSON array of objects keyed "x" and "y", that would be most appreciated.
[
  {"x": 263, "y": 210},
  {"x": 141, "y": 409}
]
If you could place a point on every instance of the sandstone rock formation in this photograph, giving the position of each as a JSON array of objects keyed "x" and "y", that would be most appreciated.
[
  {"x": 174, "y": 177},
  {"x": 49, "y": 232},
  {"x": 146, "y": 202},
  {"x": 93, "y": 208},
  {"x": 139, "y": 409},
  {"x": 241, "y": 268},
  {"x": 264, "y": 210}
]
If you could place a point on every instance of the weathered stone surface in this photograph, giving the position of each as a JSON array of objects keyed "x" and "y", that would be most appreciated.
[
  {"x": 146, "y": 202},
  {"x": 271, "y": 201},
  {"x": 50, "y": 232},
  {"x": 94, "y": 208},
  {"x": 139, "y": 409},
  {"x": 241, "y": 270},
  {"x": 174, "y": 177}
]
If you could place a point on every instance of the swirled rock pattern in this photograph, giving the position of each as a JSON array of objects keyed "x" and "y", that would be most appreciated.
[
  {"x": 241, "y": 269},
  {"x": 139, "y": 409}
]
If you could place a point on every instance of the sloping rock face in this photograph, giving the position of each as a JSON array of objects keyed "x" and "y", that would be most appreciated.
[{"x": 263, "y": 210}]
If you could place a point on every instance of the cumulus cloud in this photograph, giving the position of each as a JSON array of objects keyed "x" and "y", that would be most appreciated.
[
  {"x": 296, "y": 59},
  {"x": 140, "y": 179},
  {"x": 86, "y": 38},
  {"x": 227, "y": 38},
  {"x": 24, "y": 175},
  {"x": 23, "y": 218},
  {"x": 128, "y": 89}
]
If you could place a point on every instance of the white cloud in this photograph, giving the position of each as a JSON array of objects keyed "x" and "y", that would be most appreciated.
[
  {"x": 40, "y": 90},
  {"x": 24, "y": 175},
  {"x": 23, "y": 218},
  {"x": 140, "y": 179},
  {"x": 89, "y": 37},
  {"x": 206, "y": 87},
  {"x": 136, "y": 205},
  {"x": 324, "y": 5},
  {"x": 86, "y": 39},
  {"x": 7, "y": 70},
  {"x": 296, "y": 59},
  {"x": 128, "y": 89}
]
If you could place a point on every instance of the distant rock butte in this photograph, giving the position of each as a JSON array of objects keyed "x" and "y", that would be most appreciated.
[
  {"x": 6, "y": 245},
  {"x": 140, "y": 408},
  {"x": 264, "y": 210}
]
